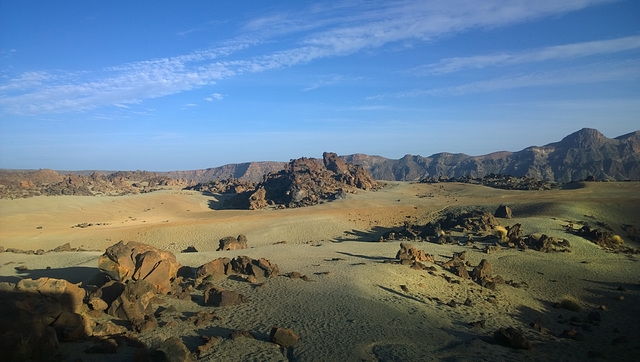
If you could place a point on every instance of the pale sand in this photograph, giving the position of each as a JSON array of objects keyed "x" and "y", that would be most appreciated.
[{"x": 359, "y": 311}]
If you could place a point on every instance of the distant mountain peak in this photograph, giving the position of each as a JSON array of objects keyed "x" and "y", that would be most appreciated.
[{"x": 584, "y": 138}]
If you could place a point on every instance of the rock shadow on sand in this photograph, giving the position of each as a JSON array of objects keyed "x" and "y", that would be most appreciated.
[
  {"x": 74, "y": 274},
  {"x": 372, "y": 235}
]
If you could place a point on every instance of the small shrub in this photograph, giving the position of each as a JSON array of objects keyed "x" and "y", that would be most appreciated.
[
  {"x": 616, "y": 240},
  {"x": 570, "y": 303},
  {"x": 500, "y": 232}
]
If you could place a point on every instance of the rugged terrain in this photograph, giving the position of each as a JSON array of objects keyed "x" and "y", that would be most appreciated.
[
  {"x": 466, "y": 290},
  {"x": 585, "y": 153}
]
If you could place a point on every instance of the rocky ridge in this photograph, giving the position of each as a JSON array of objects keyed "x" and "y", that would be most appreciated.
[{"x": 45, "y": 182}]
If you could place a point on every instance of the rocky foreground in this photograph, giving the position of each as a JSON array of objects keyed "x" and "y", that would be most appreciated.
[{"x": 140, "y": 286}]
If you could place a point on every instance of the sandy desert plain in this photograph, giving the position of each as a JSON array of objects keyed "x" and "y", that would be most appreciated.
[{"x": 360, "y": 304}]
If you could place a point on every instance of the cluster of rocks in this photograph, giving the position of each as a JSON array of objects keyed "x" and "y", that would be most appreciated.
[
  {"x": 601, "y": 237},
  {"x": 19, "y": 184},
  {"x": 305, "y": 182},
  {"x": 457, "y": 265},
  {"x": 36, "y": 315},
  {"x": 498, "y": 181},
  {"x": 57, "y": 249},
  {"x": 477, "y": 225}
]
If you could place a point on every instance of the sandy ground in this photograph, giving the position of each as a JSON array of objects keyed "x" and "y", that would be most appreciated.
[{"x": 355, "y": 307}]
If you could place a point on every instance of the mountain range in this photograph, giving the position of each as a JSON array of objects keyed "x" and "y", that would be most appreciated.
[{"x": 582, "y": 154}]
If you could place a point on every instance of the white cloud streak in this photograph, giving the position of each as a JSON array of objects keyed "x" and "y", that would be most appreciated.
[
  {"x": 322, "y": 34},
  {"x": 559, "y": 52},
  {"x": 629, "y": 70}
]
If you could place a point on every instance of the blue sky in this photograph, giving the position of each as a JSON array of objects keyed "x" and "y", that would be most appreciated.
[{"x": 164, "y": 85}]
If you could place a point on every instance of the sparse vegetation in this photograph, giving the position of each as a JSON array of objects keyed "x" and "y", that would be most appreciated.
[
  {"x": 571, "y": 303},
  {"x": 500, "y": 232}
]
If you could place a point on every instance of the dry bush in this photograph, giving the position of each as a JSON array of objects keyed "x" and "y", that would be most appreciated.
[
  {"x": 571, "y": 303},
  {"x": 500, "y": 232}
]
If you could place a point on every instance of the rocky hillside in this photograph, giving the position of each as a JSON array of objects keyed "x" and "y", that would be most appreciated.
[{"x": 583, "y": 154}]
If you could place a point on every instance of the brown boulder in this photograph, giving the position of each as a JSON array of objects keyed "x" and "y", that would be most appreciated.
[
  {"x": 219, "y": 297},
  {"x": 283, "y": 337},
  {"x": 138, "y": 261},
  {"x": 231, "y": 243}
]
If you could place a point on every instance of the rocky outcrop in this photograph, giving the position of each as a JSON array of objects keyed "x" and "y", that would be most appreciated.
[
  {"x": 305, "y": 182},
  {"x": 137, "y": 261}
]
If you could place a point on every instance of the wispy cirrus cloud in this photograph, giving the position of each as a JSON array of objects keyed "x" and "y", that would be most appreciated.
[
  {"x": 559, "y": 52},
  {"x": 320, "y": 34},
  {"x": 593, "y": 73}
]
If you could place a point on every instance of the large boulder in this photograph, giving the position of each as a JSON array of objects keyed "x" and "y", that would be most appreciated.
[{"x": 137, "y": 261}]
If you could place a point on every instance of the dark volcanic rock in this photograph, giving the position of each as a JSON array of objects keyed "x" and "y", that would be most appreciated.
[{"x": 512, "y": 337}]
